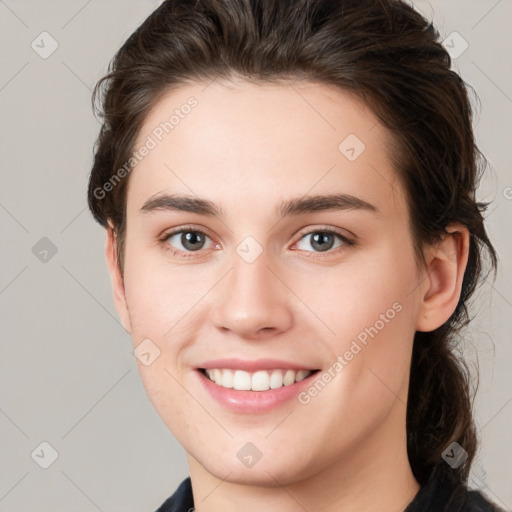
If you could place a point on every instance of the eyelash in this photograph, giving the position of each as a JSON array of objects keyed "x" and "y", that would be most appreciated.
[{"x": 190, "y": 254}]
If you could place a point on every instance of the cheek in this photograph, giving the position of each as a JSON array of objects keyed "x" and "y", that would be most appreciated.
[
  {"x": 160, "y": 296},
  {"x": 370, "y": 312},
  {"x": 353, "y": 296},
  {"x": 161, "y": 306}
]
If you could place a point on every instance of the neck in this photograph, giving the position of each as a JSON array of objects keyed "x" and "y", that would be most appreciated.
[{"x": 374, "y": 475}]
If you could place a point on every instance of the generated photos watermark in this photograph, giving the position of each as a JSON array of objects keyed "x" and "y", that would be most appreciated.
[
  {"x": 357, "y": 345},
  {"x": 151, "y": 142}
]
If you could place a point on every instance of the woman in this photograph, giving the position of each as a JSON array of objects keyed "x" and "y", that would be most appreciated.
[{"x": 288, "y": 190}]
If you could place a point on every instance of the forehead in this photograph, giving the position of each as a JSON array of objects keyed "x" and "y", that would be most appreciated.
[{"x": 241, "y": 143}]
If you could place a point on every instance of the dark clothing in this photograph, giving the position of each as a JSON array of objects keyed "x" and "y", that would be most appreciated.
[
  {"x": 181, "y": 500},
  {"x": 434, "y": 496},
  {"x": 442, "y": 495}
]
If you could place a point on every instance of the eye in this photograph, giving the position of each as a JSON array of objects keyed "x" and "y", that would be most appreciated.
[
  {"x": 185, "y": 240},
  {"x": 323, "y": 240}
]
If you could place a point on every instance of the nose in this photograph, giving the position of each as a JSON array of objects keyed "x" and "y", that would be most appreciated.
[{"x": 252, "y": 301}]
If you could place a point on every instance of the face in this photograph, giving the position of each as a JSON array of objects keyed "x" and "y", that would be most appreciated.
[{"x": 254, "y": 276}]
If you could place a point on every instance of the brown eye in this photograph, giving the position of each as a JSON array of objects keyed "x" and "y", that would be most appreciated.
[{"x": 192, "y": 240}]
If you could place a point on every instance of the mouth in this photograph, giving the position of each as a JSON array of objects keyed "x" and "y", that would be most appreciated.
[{"x": 259, "y": 380}]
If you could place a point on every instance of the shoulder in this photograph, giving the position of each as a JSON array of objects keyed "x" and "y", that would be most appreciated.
[
  {"x": 445, "y": 495},
  {"x": 477, "y": 502},
  {"x": 181, "y": 500},
  {"x": 437, "y": 494}
]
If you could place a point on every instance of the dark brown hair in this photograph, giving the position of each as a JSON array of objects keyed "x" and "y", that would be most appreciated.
[{"x": 388, "y": 55}]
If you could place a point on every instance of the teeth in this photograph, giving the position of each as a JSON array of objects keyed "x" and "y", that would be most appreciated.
[{"x": 261, "y": 380}]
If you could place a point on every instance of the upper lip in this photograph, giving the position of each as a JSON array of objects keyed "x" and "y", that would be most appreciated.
[{"x": 253, "y": 365}]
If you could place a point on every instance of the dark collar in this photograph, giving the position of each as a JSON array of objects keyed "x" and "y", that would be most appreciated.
[
  {"x": 181, "y": 500},
  {"x": 438, "y": 494}
]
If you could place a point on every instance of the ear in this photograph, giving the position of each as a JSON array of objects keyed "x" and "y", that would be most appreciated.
[
  {"x": 442, "y": 279},
  {"x": 116, "y": 279}
]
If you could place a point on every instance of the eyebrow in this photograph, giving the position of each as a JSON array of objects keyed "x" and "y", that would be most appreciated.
[{"x": 289, "y": 207}]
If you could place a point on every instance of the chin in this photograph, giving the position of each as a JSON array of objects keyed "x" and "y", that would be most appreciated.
[{"x": 272, "y": 472}]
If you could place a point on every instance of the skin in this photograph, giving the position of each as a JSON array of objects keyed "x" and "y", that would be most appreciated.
[{"x": 248, "y": 147}]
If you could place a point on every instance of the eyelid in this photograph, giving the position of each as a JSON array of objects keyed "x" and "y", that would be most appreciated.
[
  {"x": 186, "y": 227},
  {"x": 348, "y": 238}
]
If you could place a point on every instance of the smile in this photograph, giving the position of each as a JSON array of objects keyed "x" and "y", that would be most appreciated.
[{"x": 260, "y": 380}]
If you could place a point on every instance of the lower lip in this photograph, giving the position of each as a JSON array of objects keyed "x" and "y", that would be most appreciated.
[{"x": 253, "y": 401}]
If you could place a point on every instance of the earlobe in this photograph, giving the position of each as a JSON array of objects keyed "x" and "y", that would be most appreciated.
[
  {"x": 116, "y": 279},
  {"x": 447, "y": 261}
]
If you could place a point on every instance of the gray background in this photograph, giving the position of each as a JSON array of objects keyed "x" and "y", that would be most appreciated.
[{"x": 68, "y": 376}]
